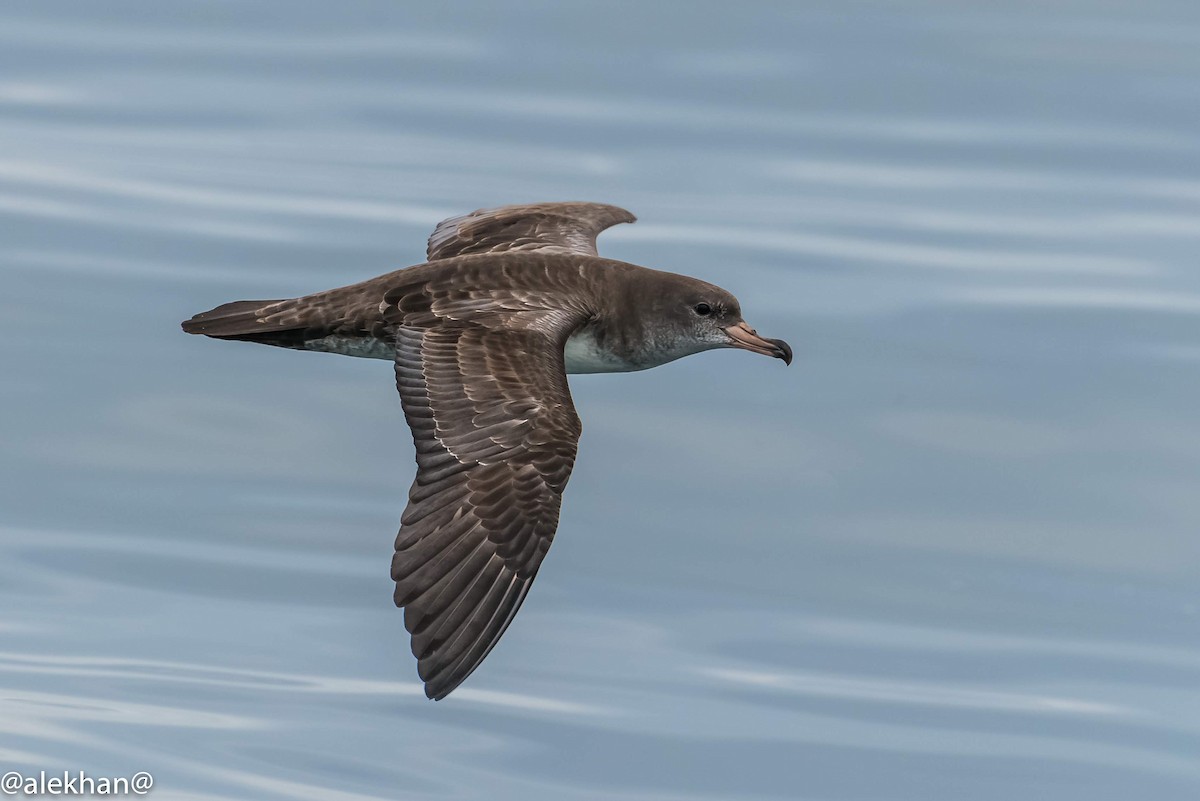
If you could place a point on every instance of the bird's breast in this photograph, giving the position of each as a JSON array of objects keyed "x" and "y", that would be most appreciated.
[{"x": 585, "y": 355}]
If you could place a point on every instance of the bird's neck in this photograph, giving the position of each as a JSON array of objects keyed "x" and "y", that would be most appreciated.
[{"x": 625, "y": 333}]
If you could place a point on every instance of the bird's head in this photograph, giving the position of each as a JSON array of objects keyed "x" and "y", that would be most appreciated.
[{"x": 698, "y": 316}]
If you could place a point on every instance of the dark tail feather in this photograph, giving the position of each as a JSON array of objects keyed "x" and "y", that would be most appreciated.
[{"x": 250, "y": 321}]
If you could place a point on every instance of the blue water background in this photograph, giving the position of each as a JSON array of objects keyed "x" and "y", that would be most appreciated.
[{"x": 952, "y": 553}]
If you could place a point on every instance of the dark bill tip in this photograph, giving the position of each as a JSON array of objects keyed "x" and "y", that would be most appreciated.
[{"x": 782, "y": 350}]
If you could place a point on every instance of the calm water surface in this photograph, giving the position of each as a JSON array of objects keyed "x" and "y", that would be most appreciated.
[{"x": 952, "y": 553}]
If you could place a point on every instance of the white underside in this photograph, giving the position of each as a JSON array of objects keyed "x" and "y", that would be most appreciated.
[
  {"x": 581, "y": 352},
  {"x": 363, "y": 347},
  {"x": 584, "y": 356}
]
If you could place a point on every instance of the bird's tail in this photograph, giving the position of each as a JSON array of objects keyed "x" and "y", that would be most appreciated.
[{"x": 267, "y": 321}]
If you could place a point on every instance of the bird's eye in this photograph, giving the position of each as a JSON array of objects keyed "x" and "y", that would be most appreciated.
[{"x": 703, "y": 309}]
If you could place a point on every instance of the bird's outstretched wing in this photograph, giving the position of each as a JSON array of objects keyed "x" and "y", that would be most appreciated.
[
  {"x": 495, "y": 434},
  {"x": 541, "y": 227}
]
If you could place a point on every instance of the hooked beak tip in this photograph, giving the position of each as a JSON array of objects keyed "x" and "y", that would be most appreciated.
[{"x": 782, "y": 350}]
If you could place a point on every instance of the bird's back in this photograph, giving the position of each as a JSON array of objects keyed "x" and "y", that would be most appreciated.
[{"x": 350, "y": 320}]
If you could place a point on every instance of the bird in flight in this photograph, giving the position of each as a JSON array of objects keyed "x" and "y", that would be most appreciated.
[{"x": 482, "y": 336}]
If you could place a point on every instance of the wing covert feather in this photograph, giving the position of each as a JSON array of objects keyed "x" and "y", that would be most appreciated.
[{"x": 541, "y": 227}]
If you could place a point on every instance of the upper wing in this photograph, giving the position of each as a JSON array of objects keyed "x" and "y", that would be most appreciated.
[
  {"x": 496, "y": 434},
  {"x": 544, "y": 227}
]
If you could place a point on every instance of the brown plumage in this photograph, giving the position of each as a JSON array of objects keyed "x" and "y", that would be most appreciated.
[{"x": 482, "y": 337}]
